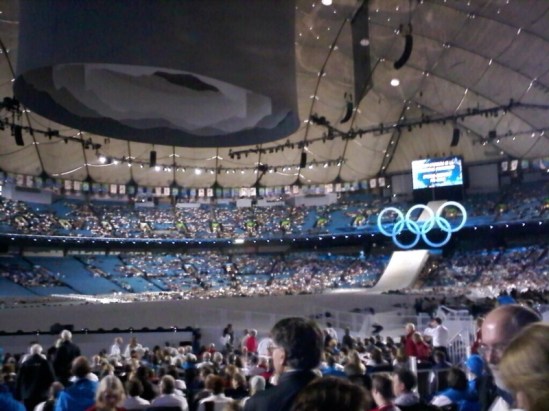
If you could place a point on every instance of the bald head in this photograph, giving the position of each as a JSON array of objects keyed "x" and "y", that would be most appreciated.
[{"x": 501, "y": 325}]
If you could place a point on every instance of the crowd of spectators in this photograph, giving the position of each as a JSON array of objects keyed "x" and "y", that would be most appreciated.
[
  {"x": 209, "y": 221},
  {"x": 247, "y": 373}
]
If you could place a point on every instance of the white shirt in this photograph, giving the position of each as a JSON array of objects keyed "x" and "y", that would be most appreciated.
[
  {"x": 219, "y": 401},
  {"x": 500, "y": 404},
  {"x": 332, "y": 333},
  {"x": 264, "y": 347},
  {"x": 439, "y": 335},
  {"x": 135, "y": 403},
  {"x": 116, "y": 351},
  {"x": 170, "y": 400}
]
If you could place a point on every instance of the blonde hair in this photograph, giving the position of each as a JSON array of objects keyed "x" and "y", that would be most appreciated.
[
  {"x": 524, "y": 366},
  {"x": 108, "y": 383}
]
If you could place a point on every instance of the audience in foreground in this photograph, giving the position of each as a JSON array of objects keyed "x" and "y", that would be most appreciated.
[{"x": 524, "y": 368}]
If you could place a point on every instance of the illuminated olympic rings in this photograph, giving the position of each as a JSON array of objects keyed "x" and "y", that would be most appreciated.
[{"x": 421, "y": 228}]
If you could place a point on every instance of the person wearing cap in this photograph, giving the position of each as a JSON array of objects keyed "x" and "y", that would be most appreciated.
[{"x": 475, "y": 368}]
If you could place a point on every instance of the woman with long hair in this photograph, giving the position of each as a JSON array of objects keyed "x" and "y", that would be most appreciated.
[{"x": 109, "y": 395}]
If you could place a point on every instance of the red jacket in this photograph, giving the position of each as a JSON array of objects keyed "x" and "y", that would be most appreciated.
[
  {"x": 410, "y": 346},
  {"x": 423, "y": 351}
]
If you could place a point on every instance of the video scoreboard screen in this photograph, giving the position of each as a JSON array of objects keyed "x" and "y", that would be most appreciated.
[{"x": 437, "y": 172}]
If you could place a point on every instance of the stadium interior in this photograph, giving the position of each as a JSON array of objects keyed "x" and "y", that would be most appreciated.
[{"x": 367, "y": 163}]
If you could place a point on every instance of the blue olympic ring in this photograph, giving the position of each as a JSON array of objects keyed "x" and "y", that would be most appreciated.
[{"x": 421, "y": 229}]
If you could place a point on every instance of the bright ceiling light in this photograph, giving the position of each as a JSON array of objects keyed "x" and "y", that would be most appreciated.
[
  {"x": 395, "y": 82},
  {"x": 327, "y": 2},
  {"x": 102, "y": 159},
  {"x": 197, "y": 171}
]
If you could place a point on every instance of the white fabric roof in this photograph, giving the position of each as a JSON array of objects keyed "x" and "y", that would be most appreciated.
[{"x": 466, "y": 55}]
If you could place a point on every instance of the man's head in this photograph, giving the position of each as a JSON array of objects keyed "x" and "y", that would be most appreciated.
[
  {"x": 66, "y": 335},
  {"x": 498, "y": 329},
  {"x": 382, "y": 388},
  {"x": 167, "y": 384},
  {"x": 404, "y": 381},
  {"x": 410, "y": 328},
  {"x": 298, "y": 344},
  {"x": 80, "y": 367},
  {"x": 36, "y": 349}
]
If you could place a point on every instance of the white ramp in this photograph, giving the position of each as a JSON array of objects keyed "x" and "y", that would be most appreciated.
[
  {"x": 402, "y": 270},
  {"x": 433, "y": 206}
]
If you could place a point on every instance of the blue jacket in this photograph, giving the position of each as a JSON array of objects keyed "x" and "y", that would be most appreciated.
[{"x": 78, "y": 397}]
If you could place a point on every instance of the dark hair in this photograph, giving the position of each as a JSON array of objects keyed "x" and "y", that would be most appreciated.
[
  {"x": 215, "y": 383},
  {"x": 407, "y": 378},
  {"x": 134, "y": 387},
  {"x": 301, "y": 341},
  {"x": 331, "y": 393},
  {"x": 457, "y": 379},
  {"x": 80, "y": 367},
  {"x": 383, "y": 384},
  {"x": 438, "y": 320},
  {"x": 439, "y": 355}
]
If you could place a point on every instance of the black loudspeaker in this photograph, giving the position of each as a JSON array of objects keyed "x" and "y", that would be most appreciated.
[
  {"x": 408, "y": 45},
  {"x": 492, "y": 135},
  {"x": 303, "y": 161},
  {"x": 455, "y": 137},
  {"x": 18, "y": 135},
  {"x": 152, "y": 159}
]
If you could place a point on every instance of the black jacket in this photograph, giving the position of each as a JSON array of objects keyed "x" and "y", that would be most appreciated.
[
  {"x": 34, "y": 379},
  {"x": 62, "y": 362},
  {"x": 281, "y": 396}
]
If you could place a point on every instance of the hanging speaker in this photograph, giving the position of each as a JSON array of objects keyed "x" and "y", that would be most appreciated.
[
  {"x": 152, "y": 159},
  {"x": 18, "y": 135},
  {"x": 455, "y": 137},
  {"x": 408, "y": 45},
  {"x": 303, "y": 161}
]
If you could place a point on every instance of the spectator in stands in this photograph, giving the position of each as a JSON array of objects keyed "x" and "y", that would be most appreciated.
[
  {"x": 134, "y": 401},
  {"x": 257, "y": 384},
  {"x": 81, "y": 394},
  {"x": 239, "y": 387},
  {"x": 475, "y": 369},
  {"x": 332, "y": 368},
  {"x": 478, "y": 336},
  {"x": 423, "y": 350},
  {"x": 109, "y": 395},
  {"x": 167, "y": 397},
  {"x": 65, "y": 354},
  {"x": 251, "y": 341},
  {"x": 347, "y": 340},
  {"x": 500, "y": 326},
  {"x": 457, "y": 393},
  {"x": 440, "y": 361},
  {"x": 53, "y": 393},
  {"x": 265, "y": 346},
  {"x": 382, "y": 393},
  {"x": 298, "y": 344},
  {"x": 376, "y": 358},
  {"x": 404, "y": 381},
  {"x": 133, "y": 347},
  {"x": 143, "y": 374},
  {"x": 524, "y": 367},
  {"x": 217, "y": 396},
  {"x": 7, "y": 402},
  {"x": 409, "y": 344},
  {"x": 401, "y": 358},
  {"x": 438, "y": 335},
  {"x": 331, "y": 331},
  {"x": 227, "y": 338},
  {"x": 116, "y": 349},
  {"x": 34, "y": 378},
  {"x": 332, "y": 393}
]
